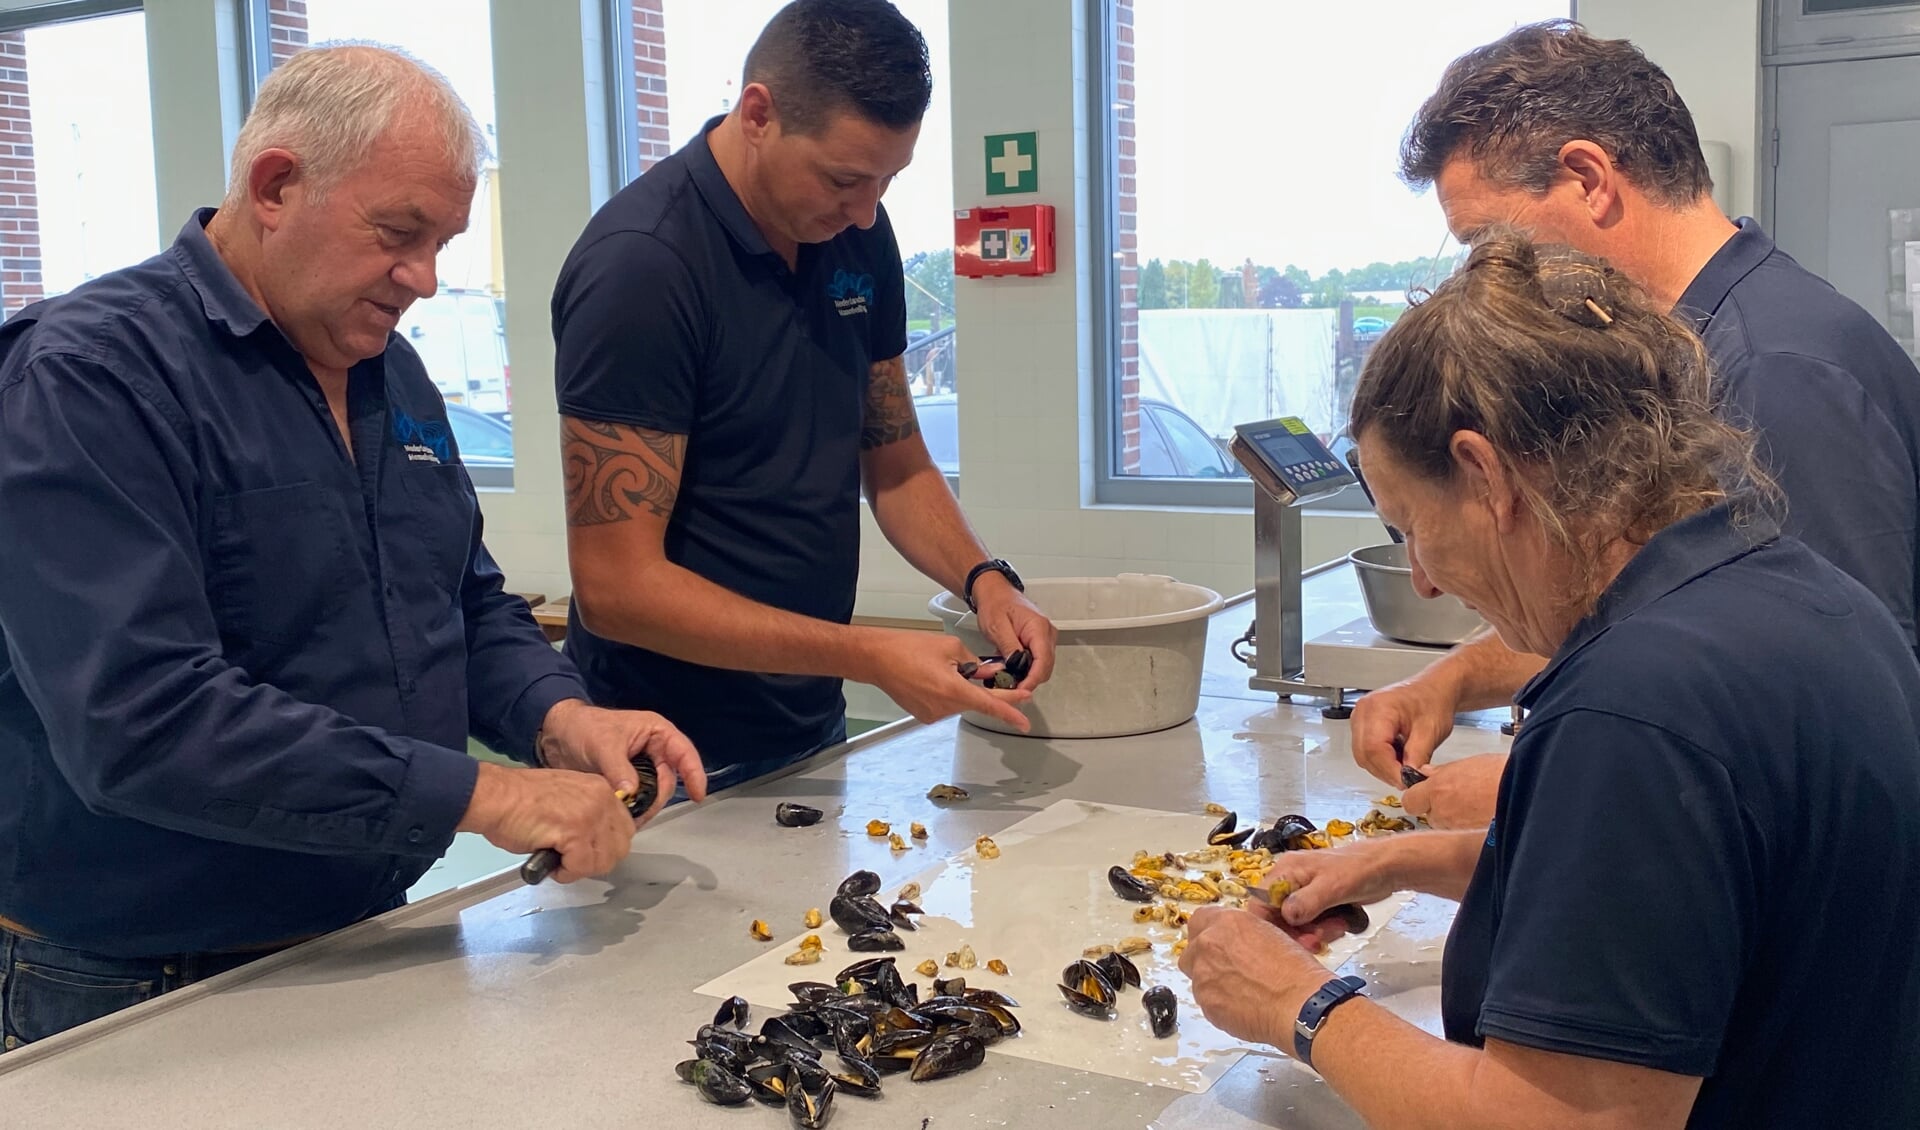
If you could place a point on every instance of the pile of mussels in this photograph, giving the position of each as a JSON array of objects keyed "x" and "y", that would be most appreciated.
[{"x": 873, "y": 1023}]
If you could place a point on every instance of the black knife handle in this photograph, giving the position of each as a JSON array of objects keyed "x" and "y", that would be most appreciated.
[{"x": 539, "y": 865}]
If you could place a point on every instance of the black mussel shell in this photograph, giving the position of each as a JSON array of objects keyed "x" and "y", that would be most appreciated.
[
  {"x": 1086, "y": 1005},
  {"x": 857, "y": 1077},
  {"x": 853, "y": 1036},
  {"x": 901, "y": 913},
  {"x": 814, "y": 992},
  {"x": 1089, "y": 980},
  {"x": 1267, "y": 840},
  {"x": 895, "y": 1040},
  {"x": 1232, "y": 839},
  {"x": 769, "y": 1081},
  {"x": 728, "y": 1047},
  {"x": 810, "y": 1109},
  {"x": 812, "y": 1025},
  {"x": 1227, "y": 824},
  {"x": 1019, "y": 663},
  {"x": 859, "y": 883},
  {"x": 684, "y": 1069},
  {"x": 859, "y": 913},
  {"x": 1003, "y": 1018},
  {"x": 1118, "y": 970},
  {"x": 1163, "y": 1012},
  {"x": 779, "y": 1032},
  {"x": 952, "y": 1010},
  {"x": 863, "y": 971},
  {"x": 1353, "y": 916},
  {"x": 893, "y": 1063},
  {"x": 806, "y": 1071},
  {"x": 718, "y": 1084},
  {"x": 1409, "y": 776},
  {"x": 985, "y": 996},
  {"x": 734, "y": 1012},
  {"x": 1130, "y": 886},
  {"x": 951, "y": 987},
  {"x": 797, "y": 816},
  {"x": 875, "y": 941},
  {"x": 1293, "y": 824},
  {"x": 949, "y": 1055}
]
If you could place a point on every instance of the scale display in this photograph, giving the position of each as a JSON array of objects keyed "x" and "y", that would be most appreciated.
[{"x": 1285, "y": 453}]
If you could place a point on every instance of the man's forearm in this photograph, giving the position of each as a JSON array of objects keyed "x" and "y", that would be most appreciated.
[
  {"x": 665, "y": 608},
  {"x": 1434, "y": 863},
  {"x": 921, "y": 518},
  {"x": 1485, "y": 673}
]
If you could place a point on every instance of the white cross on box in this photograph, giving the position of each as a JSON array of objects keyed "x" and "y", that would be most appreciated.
[
  {"x": 993, "y": 243},
  {"x": 1011, "y": 163}
]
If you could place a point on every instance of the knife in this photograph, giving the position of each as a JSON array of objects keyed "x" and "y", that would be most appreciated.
[{"x": 544, "y": 862}]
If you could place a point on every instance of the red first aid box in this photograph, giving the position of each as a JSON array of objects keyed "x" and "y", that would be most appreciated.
[{"x": 997, "y": 242}]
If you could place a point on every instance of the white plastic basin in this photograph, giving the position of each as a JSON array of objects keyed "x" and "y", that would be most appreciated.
[{"x": 1130, "y": 655}]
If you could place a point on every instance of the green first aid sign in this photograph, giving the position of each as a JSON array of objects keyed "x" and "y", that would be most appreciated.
[{"x": 1013, "y": 163}]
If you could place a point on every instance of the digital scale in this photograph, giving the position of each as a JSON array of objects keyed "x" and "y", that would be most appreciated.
[{"x": 1292, "y": 468}]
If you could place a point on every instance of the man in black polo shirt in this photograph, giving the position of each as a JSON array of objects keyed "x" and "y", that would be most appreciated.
[
  {"x": 1584, "y": 141},
  {"x": 730, "y": 331}
]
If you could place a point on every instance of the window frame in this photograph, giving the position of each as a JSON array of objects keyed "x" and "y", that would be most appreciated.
[{"x": 65, "y": 11}]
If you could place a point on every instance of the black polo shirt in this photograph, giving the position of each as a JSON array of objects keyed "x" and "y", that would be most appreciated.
[
  {"x": 673, "y": 314},
  {"x": 1705, "y": 857},
  {"x": 1836, "y": 405}
]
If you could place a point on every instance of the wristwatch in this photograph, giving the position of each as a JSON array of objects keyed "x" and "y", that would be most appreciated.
[
  {"x": 1314, "y": 1013},
  {"x": 991, "y": 565}
]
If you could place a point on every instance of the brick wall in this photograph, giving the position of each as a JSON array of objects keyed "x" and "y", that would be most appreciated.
[
  {"x": 650, "y": 81},
  {"x": 19, "y": 200},
  {"x": 286, "y": 28},
  {"x": 1126, "y": 209}
]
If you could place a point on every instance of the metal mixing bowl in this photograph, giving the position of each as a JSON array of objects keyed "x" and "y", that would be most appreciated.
[{"x": 1398, "y": 612}]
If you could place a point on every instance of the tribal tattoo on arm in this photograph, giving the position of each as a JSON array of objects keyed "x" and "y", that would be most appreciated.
[
  {"x": 618, "y": 471},
  {"x": 890, "y": 417}
]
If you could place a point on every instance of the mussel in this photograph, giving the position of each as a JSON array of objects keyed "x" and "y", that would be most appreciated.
[
  {"x": 734, "y": 1012},
  {"x": 875, "y": 941},
  {"x": 1409, "y": 776},
  {"x": 1162, "y": 1010},
  {"x": 950, "y": 987},
  {"x": 1088, "y": 991},
  {"x": 901, "y": 911},
  {"x": 983, "y": 996},
  {"x": 769, "y": 1082},
  {"x": 857, "y": 914},
  {"x": 1019, "y": 663},
  {"x": 1293, "y": 830},
  {"x": 949, "y": 1055},
  {"x": 809, "y": 1108},
  {"x": 797, "y": 816},
  {"x": 811, "y": 993},
  {"x": 1224, "y": 835},
  {"x": 1118, "y": 970},
  {"x": 857, "y": 1077},
  {"x": 1130, "y": 886},
  {"x": 728, "y": 1047},
  {"x": 793, "y": 1030},
  {"x": 717, "y": 1084},
  {"x": 859, "y": 883}
]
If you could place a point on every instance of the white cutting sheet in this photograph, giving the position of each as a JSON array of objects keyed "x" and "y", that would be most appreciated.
[{"x": 1036, "y": 907}]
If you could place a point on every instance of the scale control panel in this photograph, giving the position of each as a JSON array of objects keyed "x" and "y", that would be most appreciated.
[{"x": 1289, "y": 461}]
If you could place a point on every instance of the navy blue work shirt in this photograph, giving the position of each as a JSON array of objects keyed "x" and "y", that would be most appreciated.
[
  {"x": 1835, "y": 403},
  {"x": 241, "y": 667},
  {"x": 673, "y": 314},
  {"x": 1705, "y": 857}
]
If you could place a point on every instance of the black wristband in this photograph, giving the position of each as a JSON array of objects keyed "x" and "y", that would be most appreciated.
[
  {"x": 1314, "y": 1013},
  {"x": 991, "y": 565}
]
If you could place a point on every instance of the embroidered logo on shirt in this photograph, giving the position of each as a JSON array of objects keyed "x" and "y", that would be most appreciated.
[
  {"x": 1490, "y": 827},
  {"x": 424, "y": 441},
  {"x": 851, "y": 293}
]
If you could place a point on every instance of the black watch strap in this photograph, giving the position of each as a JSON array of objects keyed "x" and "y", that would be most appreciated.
[
  {"x": 1314, "y": 1013},
  {"x": 991, "y": 565}
]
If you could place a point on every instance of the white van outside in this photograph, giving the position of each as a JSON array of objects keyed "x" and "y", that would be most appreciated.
[{"x": 461, "y": 337}]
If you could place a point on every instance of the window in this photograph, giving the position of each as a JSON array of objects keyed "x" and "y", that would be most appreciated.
[
  {"x": 687, "y": 57},
  {"x": 1256, "y": 257},
  {"x": 460, "y": 332},
  {"x": 77, "y": 195}
]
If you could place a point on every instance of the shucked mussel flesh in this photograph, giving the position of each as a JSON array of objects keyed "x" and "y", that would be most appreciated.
[
  {"x": 796, "y": 815},
  {"x": 869, "y": 1020}
]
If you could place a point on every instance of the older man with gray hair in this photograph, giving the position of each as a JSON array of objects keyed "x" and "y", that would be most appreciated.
[{"x": 248, "y": 620}]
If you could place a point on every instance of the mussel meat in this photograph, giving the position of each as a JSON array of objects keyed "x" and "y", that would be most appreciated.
[
  {"x": 875, "y": 941},
  {"x": 1130, "y": 886},
  {"x": 796, "y": 815},
  {"x": 949, "y": 1055},
  {"x": 859, "y": 883},
  {"x": 734, "y": 1012},
  {"x": 1162, "y": 1010},
  {"x": 857, "y": 914}
]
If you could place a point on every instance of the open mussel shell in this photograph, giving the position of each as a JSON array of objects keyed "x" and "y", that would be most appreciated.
[
  {"x": 769, "y": 1082},
  {"x": 1290, "y": 828},
  {"x": 984, "y": 997},
  {"x": 1409, "y": 776},
  {"x": 900, "y": 913},
  {"x": 793, "y": 1030},
  {"x": 857, "y": 914},
  {"x": 1130, "y": 886},
  {"x": 1224, "y": 834},
  {"x": 809, "y": 1109},
  {"x": 859, "y": 883},
  {"x": 798, "y": 816},
  {"x": 1163, "y": 1011},
  {"x": 949, "y": 1055},
  {"x": 1086, "y": 1005},
  {"x": 810, "y": 993},
  {"x": 718, "y": 1084},
  {"x": 875, "y": 941},
  {"x": 1119, "y": 970},
  {"x": 1088, "y": 980},
  {"x": 1268, "y": 839},
  {"x": 735, "y": 1012},
  {"x": 857, "y": 1077},
  {"x": 730, "y": 1048}
]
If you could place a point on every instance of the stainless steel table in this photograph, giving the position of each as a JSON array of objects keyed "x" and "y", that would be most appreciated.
[{"x": 497, "y": 1005}]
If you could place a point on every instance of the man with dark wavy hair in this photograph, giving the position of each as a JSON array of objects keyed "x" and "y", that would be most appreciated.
[
  {"x": 731, "y": 331},
  {"x": 1585, "y": 141}
]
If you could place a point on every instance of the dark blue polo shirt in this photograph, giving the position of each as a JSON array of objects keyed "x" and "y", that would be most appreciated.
[
  {"x": 1705, "y": 857},
  {"x": 673, "y": 314},
  {"x": 240, "y": 668},
  {"x": 1836, "y": 405}
]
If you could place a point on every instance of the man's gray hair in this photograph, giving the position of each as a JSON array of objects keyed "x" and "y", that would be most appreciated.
[{"x": 330, "y": 104}]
